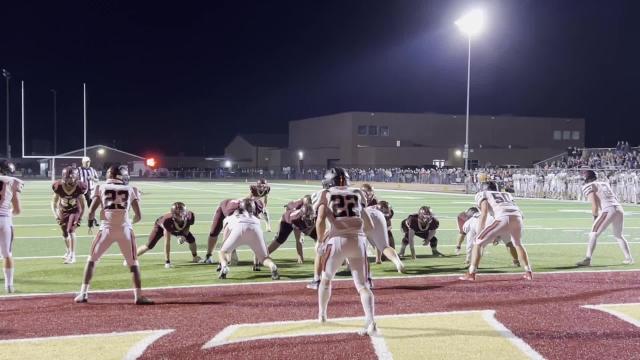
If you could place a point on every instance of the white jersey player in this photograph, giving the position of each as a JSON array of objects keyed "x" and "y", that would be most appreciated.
[
  {"x": 115, "y": 197},
  {"x": 606, "y": 209},
  {"x": 344, "y": 239},
  {"x": 243, "y": 228},
  {"x": 507, "y": 222},
  {"x": 10, "y": 189},
  {"x": 378, "y": 236}
]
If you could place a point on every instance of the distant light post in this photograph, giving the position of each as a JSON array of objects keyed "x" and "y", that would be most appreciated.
[
  {"x": 470, "y": 24},
  {"x": 7, "y": 76},
  {"x": 55, "y": 122}
]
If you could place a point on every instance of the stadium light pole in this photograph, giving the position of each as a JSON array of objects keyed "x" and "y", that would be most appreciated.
[
  {"x": 55, "y": 121},
  {"x": 471, "y": 24},
  {"x": 7, "y": 76}
]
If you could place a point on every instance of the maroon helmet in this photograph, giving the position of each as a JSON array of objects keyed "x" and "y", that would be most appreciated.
[
  {"x": 424, "y": 214},
  {"x": 179, "y": 211},
  {"x": 70, "y": 176}
]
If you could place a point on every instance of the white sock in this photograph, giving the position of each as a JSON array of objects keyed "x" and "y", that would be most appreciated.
[
  {"x": 624, "y": 246},
  {"x": 8, "y": 277},
  {"x": 527, "y": 268},
  {"x": 472, "y": 269},
  {"x": 324, "y": 294},
  {"x": 84, "y": 289},
  {"x": 366, "y": 298},
  {"x": 137, "y": 293},
  {"x": 592, "y": 244}
]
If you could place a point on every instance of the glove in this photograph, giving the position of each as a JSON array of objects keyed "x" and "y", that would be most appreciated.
[{"x": 181, "y": 240}]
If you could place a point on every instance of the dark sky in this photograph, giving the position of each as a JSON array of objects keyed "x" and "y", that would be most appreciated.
[{"x": 186, "y": 76}]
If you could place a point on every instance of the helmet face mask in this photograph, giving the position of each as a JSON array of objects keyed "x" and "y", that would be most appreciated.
[
  {"x": 70, "y": 176},
  {"x": 424, "y": 214},
  {"x": 367, "y": 189},
  {"x": 335, "y": 177},
  {"x": 7, "y": 167},
  {"x": 179, "y": 211},
  {"x": 261, "y": 184}
]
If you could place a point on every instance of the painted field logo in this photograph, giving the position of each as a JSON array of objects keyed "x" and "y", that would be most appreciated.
[{"x": 410, "y": 336}]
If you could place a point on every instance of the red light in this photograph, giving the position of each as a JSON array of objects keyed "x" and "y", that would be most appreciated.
[{"x": 151, "y": 162}]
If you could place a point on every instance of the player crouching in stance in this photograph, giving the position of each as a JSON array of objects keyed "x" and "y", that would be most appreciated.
[
  {"x": 378, "y": 236},
  {"x": 298, "y": 218},
  {"x": 116, "y": 197},
  {"x": 68, "y": 205},
  {"x": 243, "y": 228},
  {"x": 423, "y": 225},
  {"x": 606, "y": 209},
  {"x": 468, "y": 226},
  {"x": 177, "y": 223},
  {"x": 507, "y": 222},
  {"x": 343, "y": 207},
  {"x": 224, "y": 209},
  {"x": 10, "y": 189}
]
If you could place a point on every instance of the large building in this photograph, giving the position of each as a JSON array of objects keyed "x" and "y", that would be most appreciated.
[{"x": 363, "y": 139}]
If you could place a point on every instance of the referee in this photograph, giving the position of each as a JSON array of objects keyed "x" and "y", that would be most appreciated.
[{"x": 89, "y": 176}]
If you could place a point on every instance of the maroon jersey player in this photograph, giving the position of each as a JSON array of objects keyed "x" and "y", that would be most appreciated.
[
  {"x": 68, "y": 205},
  {"x": 260, "y": 191},
  {"x": 298, "y": 218},
  {"x": 224, "y": 209},
  {"x": 178, "y": 223},
  {"x": 423, "y": 225}
]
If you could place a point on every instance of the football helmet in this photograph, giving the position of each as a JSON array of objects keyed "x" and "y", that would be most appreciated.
[
  {"x": 472, "y": 211},
  {"x": 424, "y": 213},
  {"x": 588, "y": 176},
  {"x": 335, "y": 177},
  {"x": 367, "y": 189},
  {"x": 261, "y": 184},
  {"x": 118, "y": 173},
  {"x": 248, "y": 205},
  {"x": 70, "y": 176},
  {"x": 179, "y": 211},
  {"x": 7, "y": 167},
  {"x": 490, "y": 185},
  {"x": 86, "y": 162},
  {"x": 384, "y": 207}
]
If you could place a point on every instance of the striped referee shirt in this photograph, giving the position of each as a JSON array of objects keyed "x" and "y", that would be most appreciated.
[{"x": 87, "y": 175}]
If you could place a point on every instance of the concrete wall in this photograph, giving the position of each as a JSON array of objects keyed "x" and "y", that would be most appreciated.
[{"x": 241, "y": 153}]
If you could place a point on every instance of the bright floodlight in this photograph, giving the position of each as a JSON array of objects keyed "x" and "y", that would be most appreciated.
[
  {"x": 458, "y": 153},
  {"x": 471, "y": 23},
  {"x": 300, "y": 155},
  {"x": 227, "y": 164},
  {"x": 101, "y": 151}
]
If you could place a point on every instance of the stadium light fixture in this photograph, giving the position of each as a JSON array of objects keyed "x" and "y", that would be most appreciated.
[
  {"x": 471, "y": 24},
  {"x": 300, "y": 155},
  {"x": 227, "y": 163},
  {"x": 151, "y": 162},
  {"x": 458, "y": 152},
  {"x": 101, "y": 151}
]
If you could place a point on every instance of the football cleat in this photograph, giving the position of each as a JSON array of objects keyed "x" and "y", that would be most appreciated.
[
  {"x": 81, "y": 298},
  {"x": 435, "y": 252},
  {"x": 371, "y": 330},
  {"x": 468, "y": 277},
  {"x": 370, "y": 283},
  {"x": 313, "y": 284},
  {"x": 66, "y": 255},
  {"x": 628, "y": 261},
  {"x": 585, "y": 262},
  {"x": 528, "y": 275},
  {"x": 219, "y": 268},
  {"x": 196, "y": 259},
  {"x": 256, "y": 267},
  {"x": 401, "y": 269},
  {"x": 223, "y": 273},
  {"x": 207, "y": 260},
  {"x": 458, "y": 250},
  {"x": 516, "y": 263},
  {"x": 322, "y": 318},
  {"x": 144, "y": 301},
  {"x": 70, "y": 260},
  {"x": 9, "y": 289},
  {"x": 275, "y": 275},
  {"x": 168, "y": 265}
]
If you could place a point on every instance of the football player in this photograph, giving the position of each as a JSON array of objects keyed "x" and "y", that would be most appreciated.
[
  {"x": 68, "y": 205},
  {"x": 507, "y": 221},
  {"x": 10, "y": 189},
  {"x": 298, "y": 218},
  {"x": 606, "y": 209},
  {"x": 243, "y": 228},
  {"x": 379, "y": 236},
  {"x": 369, "y": 194},
  {"x": 343, "y": 207},
  {"x": 115, "y": 197},
  {"x": 260, "y": 190},
  {"x": 423, "y": 225},
  {"x": 468, "y": 226},
  {"x": 178, "y": 223},
  {"x": 224, "y": 209}
]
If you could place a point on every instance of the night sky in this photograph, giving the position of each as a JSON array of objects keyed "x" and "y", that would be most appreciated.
[{"x": 186, "y": 77}]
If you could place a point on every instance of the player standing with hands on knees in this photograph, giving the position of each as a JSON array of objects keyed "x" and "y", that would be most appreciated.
[
  {"x": 10, "y": 189},
  {"x": 115, "y": 197},
  {"x": 343, "y": 207}
]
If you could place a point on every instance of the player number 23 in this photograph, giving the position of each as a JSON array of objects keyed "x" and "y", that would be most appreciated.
[{"x": 115, "y": 199}]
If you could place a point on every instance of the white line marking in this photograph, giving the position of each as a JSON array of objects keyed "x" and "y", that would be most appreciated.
[
  {"x": 615, "y": 313},
  {"x": 254, "y": 283},
  {"x": 139, "y": 349},
  {"x": 490, "y": 317}
]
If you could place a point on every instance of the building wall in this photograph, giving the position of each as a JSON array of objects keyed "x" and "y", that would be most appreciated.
[{"x": 241, "y": 153}]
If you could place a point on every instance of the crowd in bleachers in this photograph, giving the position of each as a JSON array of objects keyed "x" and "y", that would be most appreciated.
[{"x": 621, "y": 157}]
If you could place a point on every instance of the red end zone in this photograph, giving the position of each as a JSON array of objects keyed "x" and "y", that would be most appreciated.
[{"x": 547, "y": 314}]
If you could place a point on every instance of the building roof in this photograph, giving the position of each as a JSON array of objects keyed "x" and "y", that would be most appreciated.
[
  {"x": 81, "y": 150},
  {"x": 267, "y": 140}
]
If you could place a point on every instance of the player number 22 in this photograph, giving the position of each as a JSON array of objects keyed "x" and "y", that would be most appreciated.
[
  {"x": 115, "y": 199},
  {"x": 343, "y": 205}
]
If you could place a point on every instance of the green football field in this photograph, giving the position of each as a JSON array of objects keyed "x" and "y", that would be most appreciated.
[{"x": 555, "y": 236}]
